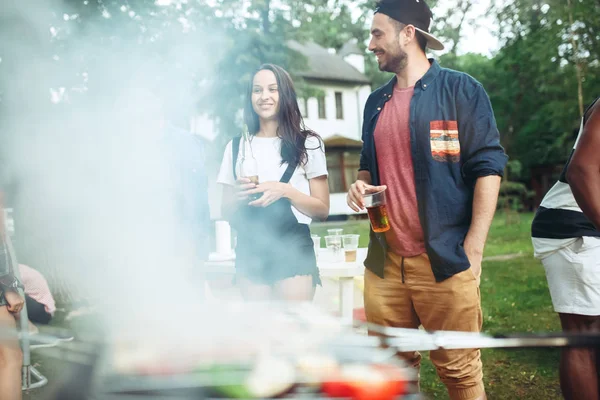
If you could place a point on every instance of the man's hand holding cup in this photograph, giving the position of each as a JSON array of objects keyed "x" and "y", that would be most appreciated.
[{"x": 357, "y": 190}]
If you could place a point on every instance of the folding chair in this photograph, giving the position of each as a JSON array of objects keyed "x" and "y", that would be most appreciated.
[{"x": 31, "y": 378}]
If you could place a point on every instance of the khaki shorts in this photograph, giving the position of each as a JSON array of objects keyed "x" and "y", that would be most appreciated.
[{"x": 453, "y": 304}]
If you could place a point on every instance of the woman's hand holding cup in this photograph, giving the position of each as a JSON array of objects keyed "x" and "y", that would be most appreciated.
[{"x": 243, "y": 186}]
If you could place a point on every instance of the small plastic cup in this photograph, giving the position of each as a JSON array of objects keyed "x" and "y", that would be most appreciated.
[
  {"x": 334, "y": 244},
  {"x": 376, "y": 208},
  {"x": 350, "y": 245},
  {"x": 335, "y": 232}
]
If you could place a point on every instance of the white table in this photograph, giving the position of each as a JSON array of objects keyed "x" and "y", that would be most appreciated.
[{"x": 343, "y": 271}]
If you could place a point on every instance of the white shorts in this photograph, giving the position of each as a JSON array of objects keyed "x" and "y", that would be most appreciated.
[{"x": 573, "y": 274}]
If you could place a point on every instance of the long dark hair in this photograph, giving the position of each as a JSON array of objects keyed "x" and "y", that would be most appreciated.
[{"x": 291, "y": 127}]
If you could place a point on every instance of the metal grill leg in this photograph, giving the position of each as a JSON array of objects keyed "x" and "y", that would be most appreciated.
[
  {"x": 28, "y": 372},
  {"x": 32, "y": 378}
]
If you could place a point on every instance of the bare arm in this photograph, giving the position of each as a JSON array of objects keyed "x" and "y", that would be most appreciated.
[
  {"x": 317, "y": 204},
  {"x": 485, "y": 198},
  {"x": 583, "y": 173}
]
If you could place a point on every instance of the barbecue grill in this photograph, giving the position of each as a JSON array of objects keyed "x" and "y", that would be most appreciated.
[{"x": 112, "y": 368}]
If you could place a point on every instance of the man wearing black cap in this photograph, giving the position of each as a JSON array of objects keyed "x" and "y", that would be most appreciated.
[{"x": 430, "y": 138}]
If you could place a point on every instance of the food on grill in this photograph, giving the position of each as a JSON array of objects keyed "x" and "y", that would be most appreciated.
[
  {"x": 315, "y": 367},
  {"x": 273, "y": 376},
  {"x": 269, "y": 377},
  {"x": 362, "y": 382},
  {"x": 298, "y": 352}
]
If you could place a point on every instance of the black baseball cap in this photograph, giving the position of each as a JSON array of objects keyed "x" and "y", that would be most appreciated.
[{"x": 411, "y": 12}]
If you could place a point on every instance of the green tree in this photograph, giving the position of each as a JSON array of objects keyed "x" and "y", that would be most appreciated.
[
  {"x": 261, "y": 34},
  {"x": 334, "y": 25},
  {"x": 538, "y": 71}
]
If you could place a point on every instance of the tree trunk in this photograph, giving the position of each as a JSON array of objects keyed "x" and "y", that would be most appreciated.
[
  {"x": 578, "y": 63},
  {"x": 266, "y": 22}
]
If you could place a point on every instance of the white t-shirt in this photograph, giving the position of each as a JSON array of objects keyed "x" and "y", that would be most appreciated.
[
  {"x": 560, "y": 196},
  {"x": 267, "y": 152}
]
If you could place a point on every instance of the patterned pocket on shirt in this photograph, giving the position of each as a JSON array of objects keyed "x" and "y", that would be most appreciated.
[{"x": 443, "y": 137}]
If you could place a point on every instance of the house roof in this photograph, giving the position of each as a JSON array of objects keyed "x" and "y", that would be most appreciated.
[
  {"x": 338, "y": 140},
  {"x": 327, "y": 66},
  {"x": 350, "y": 47}
]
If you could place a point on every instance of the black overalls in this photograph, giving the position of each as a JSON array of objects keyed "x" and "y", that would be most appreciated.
[{"x": 271, "y": 244}]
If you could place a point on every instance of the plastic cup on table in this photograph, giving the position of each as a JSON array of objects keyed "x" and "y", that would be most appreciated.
[
  {"x": 350, "y": 243},
  {"x": 335, "y": 232},
  {"x": 334, "y": 245}
]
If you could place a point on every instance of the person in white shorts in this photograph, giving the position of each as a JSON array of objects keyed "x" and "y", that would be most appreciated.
[{"x": 566, "y": 238}]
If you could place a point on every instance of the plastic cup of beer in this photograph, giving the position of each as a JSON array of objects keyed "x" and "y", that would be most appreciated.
[
  {"x": 334, "y": 244},
  {"x": 350, "y": 245},
  {"x": 376, "y": 208},
  {"x": 316, "y": 243},
  {"x": 335, "y": 232}
]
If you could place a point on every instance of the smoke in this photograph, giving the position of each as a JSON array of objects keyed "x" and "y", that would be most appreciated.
[
  {"x": 85, "y": 103},
  {"x": 87, "y": 96}
]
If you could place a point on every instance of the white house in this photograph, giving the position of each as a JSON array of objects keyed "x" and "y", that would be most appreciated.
[{"x": 336, "y": 115}]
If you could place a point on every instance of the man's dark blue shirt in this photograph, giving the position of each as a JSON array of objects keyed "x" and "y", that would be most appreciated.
[{"x": 444, "y": 101}]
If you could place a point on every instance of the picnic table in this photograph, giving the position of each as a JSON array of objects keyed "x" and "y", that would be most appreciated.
[{"x": 329, "y": 267}]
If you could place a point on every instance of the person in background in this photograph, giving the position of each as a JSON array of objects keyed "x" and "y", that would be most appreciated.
[
  {"x": 566, "y": 238},
  {"x": 430, "y": 138},
  {"x": 187, "y": 154},
  {"x": 38, "y": 297},
  {"x": 11, "y": 304},
  {"x": 168, "y": 164},
  {"x": 275, "y": 256}
]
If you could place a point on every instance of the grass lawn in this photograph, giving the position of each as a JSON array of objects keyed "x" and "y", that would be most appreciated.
[
  {"x": 503, "y": 238},
  {"x": 511, "y": 238},
  {"x": 515, "y": 298}
]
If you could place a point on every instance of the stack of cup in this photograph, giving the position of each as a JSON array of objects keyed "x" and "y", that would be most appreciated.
[
  {"x": 335, "y": 232},
  {"x": 334, "y": 243}
]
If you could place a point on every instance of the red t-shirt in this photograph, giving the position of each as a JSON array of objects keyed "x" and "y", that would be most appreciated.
[{"x": 394, "y": 159}]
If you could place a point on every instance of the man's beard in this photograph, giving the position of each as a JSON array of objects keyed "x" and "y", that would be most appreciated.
[{"x": 396, "y": 63}]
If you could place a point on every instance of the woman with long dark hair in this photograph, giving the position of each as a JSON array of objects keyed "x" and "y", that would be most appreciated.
[{"x": 271, "y": 204}]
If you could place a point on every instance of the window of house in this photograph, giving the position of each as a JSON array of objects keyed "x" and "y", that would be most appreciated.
[
  {"x": 339, "y": 106},
  {"x": 303, "y": 106},
  {"x": 321, "y": 104}
]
